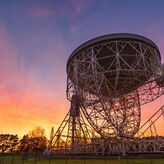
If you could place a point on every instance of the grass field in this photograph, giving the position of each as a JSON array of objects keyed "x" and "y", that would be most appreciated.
[{"x": 18, "y": 160}]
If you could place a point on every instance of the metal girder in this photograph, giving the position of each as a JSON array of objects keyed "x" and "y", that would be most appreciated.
[
  {"x": 108, "y": 82},
  {"x": 112, "y": 80}
]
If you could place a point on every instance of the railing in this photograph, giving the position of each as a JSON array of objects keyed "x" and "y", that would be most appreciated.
[{"x": 40, "y": 159}]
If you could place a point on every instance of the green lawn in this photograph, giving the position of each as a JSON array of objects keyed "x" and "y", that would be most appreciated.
[{"x": 18, "y": 160}]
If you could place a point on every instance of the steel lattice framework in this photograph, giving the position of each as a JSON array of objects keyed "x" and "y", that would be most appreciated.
[
  {"x": 112, "y": 79},
  {"x": 109, "y": 78}
]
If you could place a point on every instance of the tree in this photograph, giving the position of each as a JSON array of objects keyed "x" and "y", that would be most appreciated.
[
  {"x": 8, "y": 143},
  {"x": 37, "y": 132},
  {"x": 24, "y": 144},
  {"x": 35, "y": 141},
  {"x": 51, "y": 136},
  {"x": 33, "y": 144},
  {"x": 51, "y": 133}
]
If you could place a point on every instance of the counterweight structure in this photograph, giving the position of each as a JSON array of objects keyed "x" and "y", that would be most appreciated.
[{"x": 109, "y": 78}]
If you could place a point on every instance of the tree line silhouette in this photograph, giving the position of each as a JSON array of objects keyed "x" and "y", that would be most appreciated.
[{"x": 34, "y": 142}]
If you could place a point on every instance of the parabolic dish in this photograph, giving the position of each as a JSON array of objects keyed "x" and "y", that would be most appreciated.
[{"x": 126, "y": 61}]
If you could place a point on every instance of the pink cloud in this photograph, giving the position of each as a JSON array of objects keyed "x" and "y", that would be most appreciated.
[
  {"x": 73, "y": 29},
  {"x": 74, "y": 8},
  {"x": 38, "y": 12},
  {"x": 79, "y": 6},
  {"x": 71, "y": 8}
]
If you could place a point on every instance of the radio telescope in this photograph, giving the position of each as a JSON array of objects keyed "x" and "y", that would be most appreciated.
[
  {"x": 112, "y": 76},
  {"x": 109, "y": 78}
]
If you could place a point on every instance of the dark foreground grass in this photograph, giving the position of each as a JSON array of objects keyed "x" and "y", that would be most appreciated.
[{"x": 18, "y": 160}]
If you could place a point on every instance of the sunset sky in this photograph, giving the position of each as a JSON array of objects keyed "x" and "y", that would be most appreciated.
[{"x": 36, "y": 39}]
